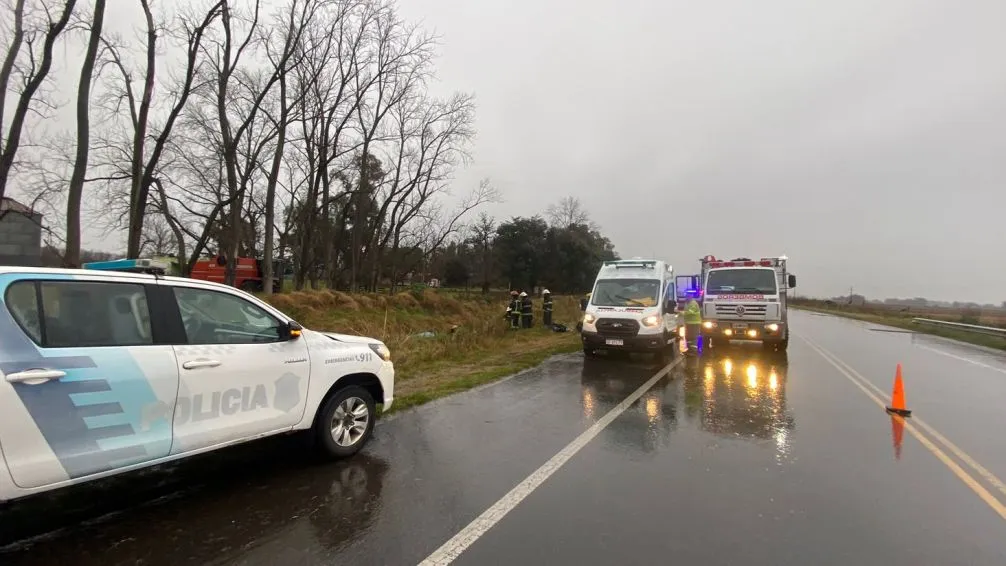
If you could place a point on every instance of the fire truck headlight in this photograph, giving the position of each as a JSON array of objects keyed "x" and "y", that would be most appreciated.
[
  {"x": 708, "y": 324},
  {"x": 772, "y": 327}
]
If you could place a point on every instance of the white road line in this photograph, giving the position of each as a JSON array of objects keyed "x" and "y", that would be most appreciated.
[
  {"x": 467, "y": 536},
  {"x": 962, "y": 358}
]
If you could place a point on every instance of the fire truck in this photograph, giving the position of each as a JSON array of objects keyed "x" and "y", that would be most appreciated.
[
  {"x": 247, "y": 272},
  {"x": 745, "y": 299},
  {"x": 247, "y": 276}
]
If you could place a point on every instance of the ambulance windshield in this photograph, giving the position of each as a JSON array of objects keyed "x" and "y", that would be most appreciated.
[
  {"x": 730, "y": 281},
  {"x": 626, "y": 293}
]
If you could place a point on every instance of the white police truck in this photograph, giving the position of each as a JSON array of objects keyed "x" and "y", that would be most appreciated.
[
  {"x": 632, "y": 308},
  {"x": 104, "y": 371}
]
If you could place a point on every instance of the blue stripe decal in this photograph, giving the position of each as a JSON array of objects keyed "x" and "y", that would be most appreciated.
[{"x": 90, "y": 418}]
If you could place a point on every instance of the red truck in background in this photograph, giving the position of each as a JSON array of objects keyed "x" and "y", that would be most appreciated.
[{"x": 247, "y": 275}]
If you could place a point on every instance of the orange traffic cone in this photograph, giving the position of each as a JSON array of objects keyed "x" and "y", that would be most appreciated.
[{"x": 898, "y": 398}]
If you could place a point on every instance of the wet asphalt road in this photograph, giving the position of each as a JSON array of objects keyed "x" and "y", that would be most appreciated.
[{"x": 738, "y": 456}]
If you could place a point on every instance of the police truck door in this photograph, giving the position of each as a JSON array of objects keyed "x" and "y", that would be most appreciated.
[{"x": 239, "y": 377}]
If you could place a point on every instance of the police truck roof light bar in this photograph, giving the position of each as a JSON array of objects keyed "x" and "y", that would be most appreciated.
[{"x": 128, "y": 265}]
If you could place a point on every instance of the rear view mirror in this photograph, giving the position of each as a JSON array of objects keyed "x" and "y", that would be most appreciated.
[
  {"x": 792, "y": 281},
  {"x": 290, "y": 331}
]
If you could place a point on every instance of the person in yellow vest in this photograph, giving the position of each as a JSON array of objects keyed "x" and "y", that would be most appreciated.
[{"x": 693, "y": 324}]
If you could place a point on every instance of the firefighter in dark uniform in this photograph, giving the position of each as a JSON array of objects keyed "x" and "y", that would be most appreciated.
[
  {"x": 546, "y": 307},
  {"x": 526, "y": 312},
  {"x": 513, "y": 310}
]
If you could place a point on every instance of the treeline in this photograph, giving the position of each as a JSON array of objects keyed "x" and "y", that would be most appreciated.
[
  {"x": 301, "y": 130},
  {"x": 561, "y": 252}
]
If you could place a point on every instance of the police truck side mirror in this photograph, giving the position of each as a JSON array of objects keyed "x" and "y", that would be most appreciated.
[
  {"x": 290, "y": 330},
  {"x": 792, "y": 281}
]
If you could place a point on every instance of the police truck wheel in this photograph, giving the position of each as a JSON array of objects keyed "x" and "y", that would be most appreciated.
[{"x": 345, "y": 422}]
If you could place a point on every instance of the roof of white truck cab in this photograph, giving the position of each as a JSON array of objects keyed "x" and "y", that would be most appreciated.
[{"x": 633, "y": 269}]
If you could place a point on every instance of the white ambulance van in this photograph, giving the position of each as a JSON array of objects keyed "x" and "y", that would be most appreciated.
[{"x": 632, "y": 308}]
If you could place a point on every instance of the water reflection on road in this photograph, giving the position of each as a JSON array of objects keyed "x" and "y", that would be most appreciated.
[{"x": 736, "y": 393}]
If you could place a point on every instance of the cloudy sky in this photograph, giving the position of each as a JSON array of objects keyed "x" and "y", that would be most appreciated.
[{"x": 866, "y": 140}]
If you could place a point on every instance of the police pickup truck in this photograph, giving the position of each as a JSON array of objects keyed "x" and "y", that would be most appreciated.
[{"x": 107, "y": 371}]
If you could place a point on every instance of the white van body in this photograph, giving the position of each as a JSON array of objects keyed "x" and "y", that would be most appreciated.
[{"x": 632, "y": 308}]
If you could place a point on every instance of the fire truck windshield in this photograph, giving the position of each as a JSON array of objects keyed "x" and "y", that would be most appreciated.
[
  {"x": 626, "y": 293},
  {"x": 727, "y": 281}
]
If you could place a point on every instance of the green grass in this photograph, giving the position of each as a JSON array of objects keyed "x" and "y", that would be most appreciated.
[
  {"x": 480, "y": 348},
  {"x": 907, "y": 324},
  {"x": 442, "y": 385}
]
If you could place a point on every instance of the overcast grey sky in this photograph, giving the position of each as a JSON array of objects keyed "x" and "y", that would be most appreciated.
[{"x": 864, "y": 139}]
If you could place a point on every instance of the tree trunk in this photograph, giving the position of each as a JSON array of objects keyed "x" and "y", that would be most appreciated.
[
  {"x": 76, "y": 189},
  {"x": 270, "y": 191},
  {"x": 139, "y": 184},
  {"x": 35, "y": 80}
]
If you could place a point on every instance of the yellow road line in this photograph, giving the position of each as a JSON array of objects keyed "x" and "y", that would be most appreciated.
[
  {"x": 954, "y": 467},
  {"x": 982, "y": 471}
]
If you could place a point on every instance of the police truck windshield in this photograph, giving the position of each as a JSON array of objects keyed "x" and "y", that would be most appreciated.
[
  {"x": 728, "y": 281},
  {"x": 626, "y": 293}
]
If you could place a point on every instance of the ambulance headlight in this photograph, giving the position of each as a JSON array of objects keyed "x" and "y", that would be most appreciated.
[
  {"x": 589, "y": 318},
  {"x": 708, "y": 324},
  {"x": 651, "y": 321}
]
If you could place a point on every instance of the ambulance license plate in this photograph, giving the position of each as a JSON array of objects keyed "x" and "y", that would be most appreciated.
[{"x": 614, "y": 342}]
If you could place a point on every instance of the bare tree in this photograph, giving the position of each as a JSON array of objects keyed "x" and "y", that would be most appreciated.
[
  {"x": 143, "y": 169},
  {"x": 34, "y": 74},
  {"x": 76, "y": 190},
  {"x": 567, "y": 212}
]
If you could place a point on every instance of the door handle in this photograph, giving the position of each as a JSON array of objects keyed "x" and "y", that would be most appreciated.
[
  {"x": 35, "y": 376},
  {"x": 197, "y": 364}
]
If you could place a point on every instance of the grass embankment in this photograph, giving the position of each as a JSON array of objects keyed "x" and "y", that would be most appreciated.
[
  {"x": 904, "y": 321},
  {"x": 479, "y": 350}
]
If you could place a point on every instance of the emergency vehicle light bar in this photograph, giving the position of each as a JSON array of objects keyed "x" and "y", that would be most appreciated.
[
  {"x": 129, "y": 265},
  {"x": 618, "y": 263},
  {"x": 749, "y": 263}
]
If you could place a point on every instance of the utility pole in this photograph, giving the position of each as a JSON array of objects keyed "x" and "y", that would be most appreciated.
[{"x": 850, "y": 295}]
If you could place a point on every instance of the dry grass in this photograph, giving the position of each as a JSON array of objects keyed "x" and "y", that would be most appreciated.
[{"x": 480, "y": 348}]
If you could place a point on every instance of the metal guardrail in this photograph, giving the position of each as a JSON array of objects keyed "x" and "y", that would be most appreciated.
[{"x": 988, "y": 330}]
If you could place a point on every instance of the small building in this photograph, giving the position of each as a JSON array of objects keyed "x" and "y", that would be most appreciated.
[{"x": 20, "y": 234}]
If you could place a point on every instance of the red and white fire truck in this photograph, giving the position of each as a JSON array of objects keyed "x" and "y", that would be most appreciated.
[{"x": 745, "y": 299}]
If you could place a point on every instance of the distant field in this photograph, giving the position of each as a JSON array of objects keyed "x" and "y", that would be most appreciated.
[
  {"x": 982, "y": 316},
  {"x": 901, "y": 317}
]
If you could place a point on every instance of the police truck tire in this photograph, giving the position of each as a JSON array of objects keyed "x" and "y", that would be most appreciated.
[{"x": 345, "y": 422}]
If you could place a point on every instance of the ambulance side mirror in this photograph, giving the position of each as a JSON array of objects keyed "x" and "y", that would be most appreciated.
[{"x": 792, "y": 281}]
